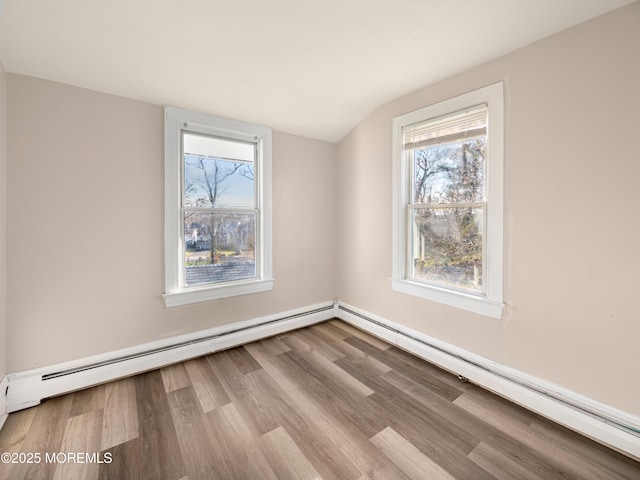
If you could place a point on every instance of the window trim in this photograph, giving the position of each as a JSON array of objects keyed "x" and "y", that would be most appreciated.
[
  {"x": 175, "y": 121},
  {"x": 491, "y": 302}
]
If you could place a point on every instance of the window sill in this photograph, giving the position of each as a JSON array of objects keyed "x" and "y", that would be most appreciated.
[
  {"x": 471, "y": 303},
  {"x": 203, "y": 294}
]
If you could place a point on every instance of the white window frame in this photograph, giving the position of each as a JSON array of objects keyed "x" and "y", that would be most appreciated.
[
  {"x": 489, "y": 303},
  {"x": 175, "y": 122}
]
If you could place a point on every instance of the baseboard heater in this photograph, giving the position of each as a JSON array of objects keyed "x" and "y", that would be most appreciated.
[
  {"x": 438, "y": 353},
  {"x": 29, "y": 388},
  {"x": 209, "y": 338}
]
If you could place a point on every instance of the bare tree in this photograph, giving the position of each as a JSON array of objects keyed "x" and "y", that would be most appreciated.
[
  {"x": 214, "y": 173},
  {"x": 429, "y": 163},
  {"x": 246, "y": 170},
  {"x": 452, "y": 174}
]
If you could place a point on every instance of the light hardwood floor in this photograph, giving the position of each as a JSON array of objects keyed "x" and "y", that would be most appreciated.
[{"x": 324, "y": 402}]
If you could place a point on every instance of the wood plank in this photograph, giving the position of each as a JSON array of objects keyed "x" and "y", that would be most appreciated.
[
  {"x": 82, "y": 436},
  {"x": 15, "y": 429},
  {"x": 88, "y": 400},
  {"x": 120, "y": 420},
  {"x": 285, "y": 458},
  {"x": 331, "y": 375},
  {"x": 175, "y": 377},
  {"x": 344, "y": 423},
  {"x": 274, "y": 345},
  {"x": 410, "y": 367},
  {"x": 265, "y": 407},
  {"x": 331, "y": 331},
  {"x": 396, "y": 406},
  {"x": 360, "y": 334},
  {"x": 311, "y": 342},
  {"x": 44, "y": 436},
  {"x": 243, "y": 458},
  {"x": 262, "y": 393},
  {"x": 260, "y": 415},
  {"x": 510, "y": 412},
  {"x": 430, "y": 435},
  {"x": 411, "y": 461},
  {"x": 561, "y": 460},
  {"x": 440, "y": 406},
  {"x": 158, "y": 440},
  {"x": 12, "y": 436},
  {"x": 243, "y": 360},
  {"x": 346, "y": 350},
  {"x": 529, "y": 459},
  {"x": 396, "y": 354},
  {"x": 125, "y": 462},
  {"x": 321, "y": 450},
  {"x": 446, "y": 377},
  {"x": 500, "y": 465},
  {"x": 584, "y": 448},
  {"x": 337, "y": 400},
  {"x": 195, "y": 446},
  {"x": 210, "y": 392}
]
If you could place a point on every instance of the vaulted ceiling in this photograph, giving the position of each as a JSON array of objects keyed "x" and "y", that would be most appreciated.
[{"x": 312, "y": 68}]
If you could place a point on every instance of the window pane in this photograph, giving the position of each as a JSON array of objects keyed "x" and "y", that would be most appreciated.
[
  {"x": 219, "y": 247},
  {"x": 450, "y": 173},
  {"x": 218, "y": 172},
  {"x": 447, "y": 246}
]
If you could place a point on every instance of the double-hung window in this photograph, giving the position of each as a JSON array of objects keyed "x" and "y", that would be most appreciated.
[
  {"x": 217, "y": 207},
  {"x": 448, "y": 244}
]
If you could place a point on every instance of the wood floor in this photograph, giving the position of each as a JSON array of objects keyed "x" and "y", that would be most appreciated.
[{"x": 325, "y": 402}]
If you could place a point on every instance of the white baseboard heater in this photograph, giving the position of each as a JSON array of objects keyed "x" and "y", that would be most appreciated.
[
  {"x": 29, "y": 388},
  {"x": 231, "y": 334}
]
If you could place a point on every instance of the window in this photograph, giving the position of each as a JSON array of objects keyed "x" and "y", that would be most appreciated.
[
  {"x": 448, "y": 219},
  {"x": 217, "y": 208}
]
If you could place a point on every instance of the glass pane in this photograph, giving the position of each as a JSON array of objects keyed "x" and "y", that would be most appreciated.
[
  {"x": 447, "y": 246},
  {"x": 219, "y": 247},
  {"x": 449, "y": 173},
  {"x": 218, "y": 172}
]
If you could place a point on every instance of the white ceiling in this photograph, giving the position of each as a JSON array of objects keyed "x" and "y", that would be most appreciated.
[{"x": 312, "y": 68}]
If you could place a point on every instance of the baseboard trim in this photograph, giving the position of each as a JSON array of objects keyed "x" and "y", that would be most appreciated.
[
  {"x": 3, "y": 401},
  {"x": 30, "y": 387},
  {"x": 615, "y": 428}
]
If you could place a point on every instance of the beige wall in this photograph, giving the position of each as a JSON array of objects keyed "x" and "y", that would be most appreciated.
[
  {"x": 3, "y": 221},
  {"x": 85, "y": 227},
  {"x": 572, "y": 255}
]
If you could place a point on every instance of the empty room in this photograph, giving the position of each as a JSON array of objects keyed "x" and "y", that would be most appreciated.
[{"x": 319, "y": 240}]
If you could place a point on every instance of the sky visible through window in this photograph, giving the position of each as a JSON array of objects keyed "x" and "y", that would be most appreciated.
[{"x": 218, "y": 172}]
